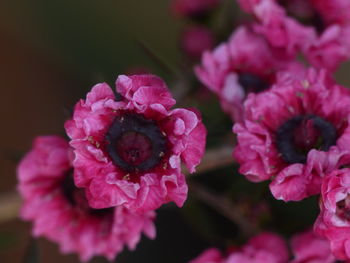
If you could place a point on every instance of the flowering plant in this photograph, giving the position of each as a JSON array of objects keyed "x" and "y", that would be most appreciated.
[{"x": 254, "y": 100}]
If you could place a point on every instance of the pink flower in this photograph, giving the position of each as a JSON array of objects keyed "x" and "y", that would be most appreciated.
[
  {"x": 308, "y": 248},
  {"x": 333, "y": 222},
  {"x": 211, "y": 255},
  {"x": 281, "y": 30},
  {"x": 263, "y": 248},
  {"x": 195, "y": 40},
  {"x": 246, "y": 63},
  {"x": 248, "y": 5},
  {"x": 294, "y": 134},
  {"x": 319, "y": 28},
  {"x": 335, "y": 11},
  {"x": 193, "y": 8},
  {"x": 331, "y": 48},
  {"x": 271, "y": 248},
  {"x": 129, "y": 152},
  {"x": 60, "y": 212}
]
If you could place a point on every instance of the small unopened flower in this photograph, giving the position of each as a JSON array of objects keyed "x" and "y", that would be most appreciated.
[
  {"x": 195, "y": 40},
  {"x": 193, "y": 8},
  {"x": 245, "y": 64},
  {"x": 294, "y": 134},
  {"x": 129, "y": 152},
  {"x": 60, "y": 212},
  {"x": 309, "y": 248},
  {"x": 319, "y": 28}
]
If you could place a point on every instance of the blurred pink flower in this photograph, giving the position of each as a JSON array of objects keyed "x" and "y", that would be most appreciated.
[
  {"x": 294, "y": 134},
  {"x": 193, "y": 8},
  {"x": 211, "y": 255},
  {"x": 129, "y": 152},
  {"x": 319, "y": 28},
  {"x": 308, "y": 248},
  {"x": 263, "y": 248},
  {"x": 331, "y": 48},
  {"x": 195, "y": 40},
  {"x": 60, "y": 211},
  {"x": 246, "y": 63}
]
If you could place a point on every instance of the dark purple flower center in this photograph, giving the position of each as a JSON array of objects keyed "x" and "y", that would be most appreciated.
[
  {"x": 297, "y": 136},
  {"x": 76, "y": 197},
  {"x": 135, "y": 143},
  {"x": 252, "y": 83},
  {"x": 305, "y": 13},
  {"x": 343, "y": 209},
  {"x": 200, "y": 15},
  {"x": 134, "y": 148}
]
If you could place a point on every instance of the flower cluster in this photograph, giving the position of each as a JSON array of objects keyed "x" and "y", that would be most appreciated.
[
  {"x": 296, "y": 134},
  {"x": 292, "y": 123},
  {"x": 270, "y": 247},
  {"x": 99, "y": 192},
  {"x": 318, "y": 28}
]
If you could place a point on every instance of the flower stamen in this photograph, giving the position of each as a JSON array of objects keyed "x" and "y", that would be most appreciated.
[
  {"x": 297, "y": 136},
  {"x": 135, "y": 143}
]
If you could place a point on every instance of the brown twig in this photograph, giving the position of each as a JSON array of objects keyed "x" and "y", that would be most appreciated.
[
  {"x": 10, "y": 202},
  {"x": 224, "y": 206},
  {"x": 9, "y": 206},
  {"x": 214, "y": 159}
]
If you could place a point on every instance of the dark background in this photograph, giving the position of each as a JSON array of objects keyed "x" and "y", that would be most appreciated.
[{"x": 51, "y": 53}]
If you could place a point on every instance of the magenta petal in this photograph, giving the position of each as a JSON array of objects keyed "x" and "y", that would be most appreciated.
[
  {"x": 98, "y": 92},
  {"x": 194, "y": 151},
  {"x": 153, "y": 95},
  {"x": 290, "y": 184}
]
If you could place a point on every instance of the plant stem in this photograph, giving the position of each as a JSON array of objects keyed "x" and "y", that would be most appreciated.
[
  {"x": 215, "y": 158},
  {"x": 225, "y": 207},
  {"x": 9, "y": 206}
]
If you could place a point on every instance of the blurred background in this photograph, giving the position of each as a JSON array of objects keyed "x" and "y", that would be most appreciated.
[{"x": 53, "y": 52}]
